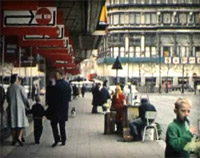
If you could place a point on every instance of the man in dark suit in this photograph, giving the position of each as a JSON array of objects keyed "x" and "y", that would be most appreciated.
[
  {"x": 59, "y": 110},
  {"x": 138, "y": 124}
]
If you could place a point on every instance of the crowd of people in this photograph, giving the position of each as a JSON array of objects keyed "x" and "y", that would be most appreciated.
[{"x": 58, "y": 96}]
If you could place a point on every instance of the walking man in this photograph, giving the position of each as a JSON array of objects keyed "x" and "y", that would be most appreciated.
[{"x": 59, "y": 110}]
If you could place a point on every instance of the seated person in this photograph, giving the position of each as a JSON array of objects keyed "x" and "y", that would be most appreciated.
[{"x": 137, "y": 126}]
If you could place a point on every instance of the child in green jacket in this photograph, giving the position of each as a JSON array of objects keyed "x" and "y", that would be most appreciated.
[{"x": 179, "y": 133}]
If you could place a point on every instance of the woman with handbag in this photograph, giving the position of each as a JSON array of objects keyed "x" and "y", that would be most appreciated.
[{"x": 118, "y": 101}]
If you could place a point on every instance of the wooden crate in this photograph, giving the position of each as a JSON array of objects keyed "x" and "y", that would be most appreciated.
[
  {"x": 129, "y": 114},
  {"x": 109, "y": 122}
]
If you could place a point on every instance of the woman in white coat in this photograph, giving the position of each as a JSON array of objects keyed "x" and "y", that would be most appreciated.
[{"x": 17, "y": 103}]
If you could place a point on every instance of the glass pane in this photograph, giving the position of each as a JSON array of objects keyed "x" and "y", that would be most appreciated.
[
  {"x": 153, "y": 52},
  {"x": 131, "y": 52},
  {"x": 147, "y": 52},
  {"x": 122, "y": 19},
  {"x": 182, "y": 18},
  {"x": 153, "y": 18},
  {"x": 197, "y": 49},
  {"x": 147, "y": 18},
  {"x": 116, "y": 19},
  {"x": 137, "y": 52},
  {"x": 126, "y": 19},
  {"x": 116, "y": 51},
  {"x": 122, "y": 53},
  {"x": 138, "y": 19},
  {"x": 132, "y": 17},
  {"x": 167, "y": 18}
]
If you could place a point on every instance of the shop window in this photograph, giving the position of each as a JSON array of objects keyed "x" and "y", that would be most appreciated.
[{"x": 150, "y": 81}]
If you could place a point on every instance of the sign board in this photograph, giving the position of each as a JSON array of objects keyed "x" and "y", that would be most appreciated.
[
  {"x": 42, "y": 16},
  {"x": 192, "y": 60},
  {"x": 21, "y": 31},
  {"x": 61, "y": 32},
  {"x": 184, "y": 60},
  {"x": 198, "y": 60},
  {"x": 42, "y": 42},
  {"x": 176, "y": 60},
  {"x": 168, "y": 60}
]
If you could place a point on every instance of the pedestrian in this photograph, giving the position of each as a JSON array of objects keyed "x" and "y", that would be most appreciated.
[
  {"x": 118, "y": 102},
  {"x": 59, "y": 110},
  {"x": 2, "y": 99},
  {"x": 75, "y": 91},
  {"x": 179, "y": 132},
  {"x": 17, "y": 103},
  {"x": 96, "y": 96},
  {"x": 83, "y": 90},
  {"x": 104, "y": 96},
  {"x": 137, "y": 126},
  {"x": 38, "y": 113}
]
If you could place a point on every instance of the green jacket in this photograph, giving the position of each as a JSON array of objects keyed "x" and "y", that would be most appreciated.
[{"x": 177, "y": 136}]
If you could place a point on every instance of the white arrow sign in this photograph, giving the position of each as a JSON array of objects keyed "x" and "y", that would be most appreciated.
[
  {"x": 60, "y": 36},
  {"x": 41, "y": 16}
]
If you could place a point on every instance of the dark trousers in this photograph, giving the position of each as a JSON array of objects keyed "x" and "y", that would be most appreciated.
[
  {"x": 38, "y": 128},
  {"x": 136, "y": 128},
  {"x": 94, "y": 109},
  {"x": 54, "y": 125}
]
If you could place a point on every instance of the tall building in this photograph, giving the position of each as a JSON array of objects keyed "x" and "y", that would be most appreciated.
[{"x": 156, "y": 41}]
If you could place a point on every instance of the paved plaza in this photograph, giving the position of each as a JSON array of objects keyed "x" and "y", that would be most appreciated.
[{"x": 86, "y": 138}]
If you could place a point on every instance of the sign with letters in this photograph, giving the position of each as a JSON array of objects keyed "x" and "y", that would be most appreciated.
[{"x": 42, "y": 16}]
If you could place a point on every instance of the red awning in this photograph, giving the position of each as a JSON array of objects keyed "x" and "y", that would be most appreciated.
[
  {"x": 42, "y": 42},
  {"x": 39, "y": 30}
]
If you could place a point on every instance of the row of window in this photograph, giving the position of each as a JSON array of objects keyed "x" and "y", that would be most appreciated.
[
  {"x": 151, "y": 39},
  {"x": 118, "y": 2},
  {"x": 165, "y": 18},
  {"x": 166, "y": 51}
]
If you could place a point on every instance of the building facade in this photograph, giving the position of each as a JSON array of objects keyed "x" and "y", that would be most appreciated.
[{"x": 156, "y": 41}]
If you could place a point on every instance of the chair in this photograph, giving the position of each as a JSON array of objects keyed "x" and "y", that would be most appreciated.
[{"x": 150, "y": 115}]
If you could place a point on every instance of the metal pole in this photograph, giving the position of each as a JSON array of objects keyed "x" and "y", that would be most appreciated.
[
  {"x": 116, "y": 76},
  {"x": 183, "y": 71}
]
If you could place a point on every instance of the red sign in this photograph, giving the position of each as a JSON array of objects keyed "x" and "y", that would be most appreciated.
[{"x": 43, "y": 16}]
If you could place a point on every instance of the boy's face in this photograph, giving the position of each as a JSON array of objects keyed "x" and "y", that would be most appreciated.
[{"x": 182, "y": 112}]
